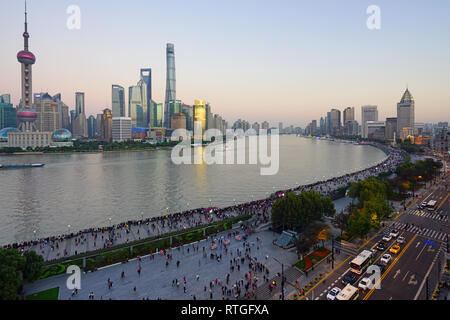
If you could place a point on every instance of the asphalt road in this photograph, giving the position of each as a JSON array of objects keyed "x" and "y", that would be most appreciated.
[{"x": 420, "y": 257}]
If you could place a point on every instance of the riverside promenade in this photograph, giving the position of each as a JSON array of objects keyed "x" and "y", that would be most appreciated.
[{"x": 64, "y": 246}]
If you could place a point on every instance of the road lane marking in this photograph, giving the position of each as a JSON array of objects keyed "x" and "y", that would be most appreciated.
[
  {"x": 405, "y": 276},
  {"x": 420, "y": 252},
  {"x": 390, "y": 268}
]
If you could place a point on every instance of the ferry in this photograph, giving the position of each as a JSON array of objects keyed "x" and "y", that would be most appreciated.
[{"x": 21, "y": 166}]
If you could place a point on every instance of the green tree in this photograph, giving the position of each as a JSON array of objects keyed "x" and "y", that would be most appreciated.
[
  {"x": 11, "y": 263},
  {"x": 32, "y": 268}
]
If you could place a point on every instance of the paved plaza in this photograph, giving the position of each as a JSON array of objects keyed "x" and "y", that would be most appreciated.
[{"x": 155, "y": 280}]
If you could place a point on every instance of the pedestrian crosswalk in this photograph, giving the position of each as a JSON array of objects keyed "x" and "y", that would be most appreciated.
[
  {"x": 441, "y": 216},
  {"x": 428, "y": 233}
]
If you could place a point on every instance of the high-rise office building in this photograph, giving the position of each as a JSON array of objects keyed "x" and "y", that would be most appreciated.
[
  {"x": 391, "y": 129},
  {"x": 146, "y": 78},
  {"x": 79, "y": 103},
  {"x": 376, "y": 130},
  {"x": 79, "y": 124},
  {"x": 48, "y": 114},
  {"x": 73, "y": 115},
  {"x": 118, "y": 101},
  {"x": 349, "y": 115},
  {"x": 335, "y": 121},
  {"x": 157, "y": 115},
  {"x": 178, "y": 121},
  {"x": 188, "y": 111},
  {"x": 7, "y": 113},
  {"x": 91, "y": 126},
  {"x": 135, "y": 109},
  {"x": 199, "y": 117},
  {"x": 405, "y": 114},
  {"x": 98, "y": 125},
  {"x": 368, "y": 113},
  {"x": 106, "y": 134},
  {"x": 170, "y": 83},
  {"x": 121, "y": 129},
  {"x": 175, "y": 107}
]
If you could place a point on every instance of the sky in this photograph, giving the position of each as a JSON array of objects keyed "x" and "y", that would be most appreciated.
[{"x": 286, "y": 61}]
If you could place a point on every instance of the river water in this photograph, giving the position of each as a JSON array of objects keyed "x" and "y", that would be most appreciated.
[{"x": 94, "y": 190}]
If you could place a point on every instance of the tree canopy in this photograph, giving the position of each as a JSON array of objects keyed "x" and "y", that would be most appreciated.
[{"x": 297, "y": 211}]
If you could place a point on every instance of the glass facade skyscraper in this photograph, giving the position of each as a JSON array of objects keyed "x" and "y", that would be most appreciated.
[
  {"x": 156, "y": 110},
  {"x": 135, "y": 104},
  {"x": 118, "y": 101},
  {"x": 146, "y": 78},
  {"x": 170, "y": 83}
]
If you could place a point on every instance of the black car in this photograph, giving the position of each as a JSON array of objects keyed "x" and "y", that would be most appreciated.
[
  {"x": 349, "y": 278},
  {"x": 381, "y": 246}
]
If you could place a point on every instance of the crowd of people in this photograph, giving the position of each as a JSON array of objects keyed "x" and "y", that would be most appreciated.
[{"x": 96, "y": 238}]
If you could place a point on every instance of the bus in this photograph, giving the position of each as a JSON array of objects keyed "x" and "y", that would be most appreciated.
[
  {"x": 361, "y": 262},
  {"x": 431, "y": 206},
  {"x": 348, "y": 293}
]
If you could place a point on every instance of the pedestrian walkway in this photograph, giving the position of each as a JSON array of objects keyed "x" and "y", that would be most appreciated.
[
  {"x": 441, "y": 216},
  {"x": 428, "y": 233}
]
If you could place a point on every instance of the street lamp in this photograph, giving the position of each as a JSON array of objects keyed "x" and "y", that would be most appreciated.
[
  {"x": 282, "y": 277},
  {"x": 34, "y": 235},
  {"x": 68, "y": 226},
  {"x": 109, "y": 222}
]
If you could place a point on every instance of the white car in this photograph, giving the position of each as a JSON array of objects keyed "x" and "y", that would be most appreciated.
[
  {"x": 387, "y": 237},
  {"x": 333, "y": 293},
  {"x": 386, "y": 258},
  {"x": 394, "y": 233},
  {"x": 364, "y": 283},
  {"x": 401, "y": 240}
]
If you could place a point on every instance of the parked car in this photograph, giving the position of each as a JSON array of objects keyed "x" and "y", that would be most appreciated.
[
  {"x": 386, "y": 258},
  {"x": 394, "y": 233},
  {"x": 333, "y": 293},
  {"x": 400, "y": 240},
  {"x": 395, "y": 249},
  {"x": 349, "y": 278}
]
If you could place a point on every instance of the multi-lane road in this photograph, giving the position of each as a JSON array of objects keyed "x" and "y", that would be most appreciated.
[{"x": 413, "y": 272}]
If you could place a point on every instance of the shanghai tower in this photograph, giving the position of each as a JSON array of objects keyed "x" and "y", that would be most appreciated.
[
  {"x": 26, "y": 114},
  {"x": 170, "y": 84}
]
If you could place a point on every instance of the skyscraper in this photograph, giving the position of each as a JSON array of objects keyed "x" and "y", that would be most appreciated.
[
  {"x": 7, "y": 113},
  {"x": 199, "y": 117},
  {"x": 48, "y": 114},
  {"x": 118, "y": 101},
  {"x": 146, "y": 77},
  {"x": 405, "y": 114},
  {"x": 368, "y": 113},
  {"x": 91, "y": 126},
  {"x": 79, "y": 124},
  {"x": 335, "y": 121},
  {"x": 170, "y": 83},
  {"x": 79, "y": 103},
  {"x": 26, "y": 114},
  {"x": 135, "y": 109},
  {"x": 106, "y": 126}
]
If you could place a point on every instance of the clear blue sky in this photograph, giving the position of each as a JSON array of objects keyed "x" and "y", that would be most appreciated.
[{"x": 283, "y": 60}]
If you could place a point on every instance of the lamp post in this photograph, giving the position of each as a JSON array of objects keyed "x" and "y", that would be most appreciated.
[
  {"x": 34, "y": 235},
  {"x": 109, "y": 222},
  {"x": 282, "y": 277},
  {"x": 68, "y": 226}
]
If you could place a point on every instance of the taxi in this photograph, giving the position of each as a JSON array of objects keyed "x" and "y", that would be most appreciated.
[{"x": 395, "y": 249}]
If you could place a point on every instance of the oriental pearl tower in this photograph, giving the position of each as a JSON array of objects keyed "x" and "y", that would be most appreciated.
[{"x": 26, "y": 114}]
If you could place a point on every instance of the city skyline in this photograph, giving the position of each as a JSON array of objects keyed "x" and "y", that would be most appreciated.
[{"x": 249, "y": 82}]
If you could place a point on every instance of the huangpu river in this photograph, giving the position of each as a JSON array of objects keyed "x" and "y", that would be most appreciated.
[{"x": 99, "y": 189}]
